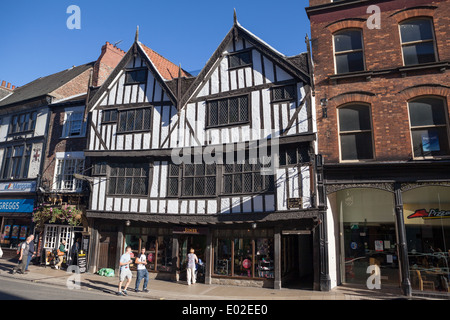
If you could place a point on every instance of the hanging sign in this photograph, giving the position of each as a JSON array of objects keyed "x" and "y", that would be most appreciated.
[{"x": 26, "y": 186}]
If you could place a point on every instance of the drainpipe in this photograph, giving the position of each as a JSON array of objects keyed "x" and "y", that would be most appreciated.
[{"x": 402, "y": 247}]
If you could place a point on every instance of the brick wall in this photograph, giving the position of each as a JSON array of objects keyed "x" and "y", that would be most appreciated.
[
  {"x": 108, "y": 60},
  {"x": 388, "y": 89}
]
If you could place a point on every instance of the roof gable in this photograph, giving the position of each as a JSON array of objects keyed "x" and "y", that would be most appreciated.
[{"x": 237, "y": 31}]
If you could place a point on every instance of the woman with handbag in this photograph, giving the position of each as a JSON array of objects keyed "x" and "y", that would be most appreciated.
[{"x": 61, "y": 252}]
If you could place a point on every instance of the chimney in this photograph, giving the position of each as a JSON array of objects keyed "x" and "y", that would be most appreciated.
[
  {"x": 108, "y": 60},
  {"x": 9, "y": 85},
  {"x": 4, "y": 84}
]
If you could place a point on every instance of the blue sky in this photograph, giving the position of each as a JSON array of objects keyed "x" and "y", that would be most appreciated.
[{"x": 36, "y": 42}]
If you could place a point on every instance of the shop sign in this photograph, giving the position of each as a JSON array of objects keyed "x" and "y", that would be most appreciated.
[
  {"x": 17, "y": 205},
  {"x": 432, "y": 214},
  {"x": 294, "y": 203},
  {"x": 82, "y": 262},
  {"x": 189, "y": 230},
  {"x": 26, "y": 186}
]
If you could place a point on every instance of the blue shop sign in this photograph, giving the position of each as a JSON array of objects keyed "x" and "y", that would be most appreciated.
[{"x": 17, "y": 205}]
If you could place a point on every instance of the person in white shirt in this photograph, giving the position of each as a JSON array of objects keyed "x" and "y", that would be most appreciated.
[
  {"x": 125, "y": 271},
  {"x": 191, "y": 261},
  {"x": 142, "y": 273}
]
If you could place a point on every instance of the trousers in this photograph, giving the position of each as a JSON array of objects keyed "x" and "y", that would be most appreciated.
[
  {"x": 190, "y": 275},
  {"x": 142, "y": 274}
]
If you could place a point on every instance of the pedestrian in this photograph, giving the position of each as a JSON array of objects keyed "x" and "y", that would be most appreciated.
[
  {"x": 23, "y": 256},
  {"x": 31, "y": 252},
  {"x": 142, "y": 273},
  {"x": 61, "y": 252},
  {"x": 125, "y": 271},
  {"x": 191, "y": 261}
]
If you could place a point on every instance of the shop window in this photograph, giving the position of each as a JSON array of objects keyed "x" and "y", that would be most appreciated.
[
  {"x": 426, "y": 214},
  {"x": 368, "y": 235},
  {"x": 128, "y": 179},
  {"x": 348, "y": 51},
  {"x": 249, "y": 256},
  {"x": 429, "y": 129},
  {"x": 417, "y": 41},
  {"x": 355, "y": 131}
]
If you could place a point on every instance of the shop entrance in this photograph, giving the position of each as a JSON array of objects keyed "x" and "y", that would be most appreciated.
[
  {"x": 297, "y": 261},
  {"x": 198, "y": 243}
]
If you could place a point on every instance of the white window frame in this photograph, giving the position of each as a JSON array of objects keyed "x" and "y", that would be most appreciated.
[
  {"x": 68, "y": 127},
  {"x": 349, "y": 51},
  {"x": 61, "y": 161},
  {"x": 54, "y": 234}
]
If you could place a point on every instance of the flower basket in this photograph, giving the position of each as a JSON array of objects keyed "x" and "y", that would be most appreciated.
[{"x": 51, "y": 214}]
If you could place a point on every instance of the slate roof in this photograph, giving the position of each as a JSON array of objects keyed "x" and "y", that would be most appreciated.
[{"x": 45, "y": 85}]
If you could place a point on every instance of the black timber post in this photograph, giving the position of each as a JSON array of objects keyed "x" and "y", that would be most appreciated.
[{"x": 402, "y": 247}]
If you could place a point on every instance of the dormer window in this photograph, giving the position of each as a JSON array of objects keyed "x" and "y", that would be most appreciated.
[{"x": 136, "y": 76}]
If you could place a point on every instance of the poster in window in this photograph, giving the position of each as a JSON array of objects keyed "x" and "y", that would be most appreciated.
[
  {"x": 15, "y": 232},
  {"x": 430, "y": 141},
  {"x": 7, "y": 231},
  {"x": 23, "y": 233},
  {"x": 378, "y": 245}
]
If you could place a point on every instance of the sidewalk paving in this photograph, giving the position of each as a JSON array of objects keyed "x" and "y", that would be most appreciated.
[{"x": 169, "y": 290}]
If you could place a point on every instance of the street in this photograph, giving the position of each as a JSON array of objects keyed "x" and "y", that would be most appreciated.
[{"x": 16, "y": 289}]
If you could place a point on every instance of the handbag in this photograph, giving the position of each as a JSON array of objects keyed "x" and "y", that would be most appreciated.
[{"x": 60, "y": 253}]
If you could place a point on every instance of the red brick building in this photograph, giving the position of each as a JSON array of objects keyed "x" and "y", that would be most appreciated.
[{"x": 382, "y": 95}]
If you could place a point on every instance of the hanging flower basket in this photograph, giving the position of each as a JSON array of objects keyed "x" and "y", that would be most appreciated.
[{"x": 52, "y": 214}]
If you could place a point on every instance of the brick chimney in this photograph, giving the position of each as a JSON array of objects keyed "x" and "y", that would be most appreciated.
[
  {"x": 108, "y": 60},
  {"x": 7, "y": 86}
]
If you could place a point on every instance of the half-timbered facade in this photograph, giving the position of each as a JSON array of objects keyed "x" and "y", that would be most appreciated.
[{"x": 223, "y": 162}]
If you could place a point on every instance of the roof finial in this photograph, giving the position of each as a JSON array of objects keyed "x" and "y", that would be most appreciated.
[
  {"x": 136, "y": 37},
  {"x": 235, "y": 17}
]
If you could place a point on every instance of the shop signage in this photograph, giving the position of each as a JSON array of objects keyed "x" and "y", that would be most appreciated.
[
  {"x": 81, "y": 263},
  {"x": 295, "y": 232},
  {"x": 432, "y": 214},
  {"x": 25, "y": 186},
  {"x": 189, "y": 230},
  {"x": 17, "y": 205},
  {"x": 294, "y": 203}
]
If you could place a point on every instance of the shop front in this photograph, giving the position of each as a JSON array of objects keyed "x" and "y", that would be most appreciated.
[
  {"x": 16, "y": 223},
  {"x": 243, "y": 254},
  {"x": 367, "y": 229},
  {"x": 427, "y": 222}
]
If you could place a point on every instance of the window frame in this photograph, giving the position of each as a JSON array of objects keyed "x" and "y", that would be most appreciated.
[
  {"x": 110, "y": 112},
  {"x": 127, "y": 111},
  {"x": 135, "y": 70},
  {"x": 181, "y": 178},
  {"x": 60, "y": 177},
  {"x": 237, "y": 123},
  {"x": 340, "y": 133},
  {"x": 430, "y": 19},
  {"x": 446, "y": 125},
  {"x": 11, "y": 161},
  {"x": 291, "y": 99},
  {"x": 348, "y": 51},
  {"x": 239, "y": 53},
  {"x": 30, "y": 124},
  {"x": 144, "y": 167}
]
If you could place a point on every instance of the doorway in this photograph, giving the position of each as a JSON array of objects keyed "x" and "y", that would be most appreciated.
[
  {"x": 107, "y": 250},
  {"x": 297, "y": 270},
  {"x": 198, "y": 243}
]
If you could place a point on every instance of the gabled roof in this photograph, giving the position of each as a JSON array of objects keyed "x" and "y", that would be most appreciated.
[
  {"x": 167, "y": 69},
  {"x": 288, "y": 63},
  {"x": 44, "y": 86}
]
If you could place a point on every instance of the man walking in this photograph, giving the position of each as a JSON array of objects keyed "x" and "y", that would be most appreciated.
[
  {"x": 125, "y": 271},
  {"x": 142, "y": 273},
  {"x": 23, "y": 256},
  {"x": 31, "y": 252}
]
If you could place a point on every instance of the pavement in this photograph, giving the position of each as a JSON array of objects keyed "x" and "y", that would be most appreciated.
[{"x": 170, "y": 290}]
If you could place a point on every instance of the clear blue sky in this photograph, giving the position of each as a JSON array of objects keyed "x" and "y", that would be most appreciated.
[{"x": 36, "y": 42}]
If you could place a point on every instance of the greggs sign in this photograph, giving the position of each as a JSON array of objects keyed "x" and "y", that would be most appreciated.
[{"x": 432, "y": 214}]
